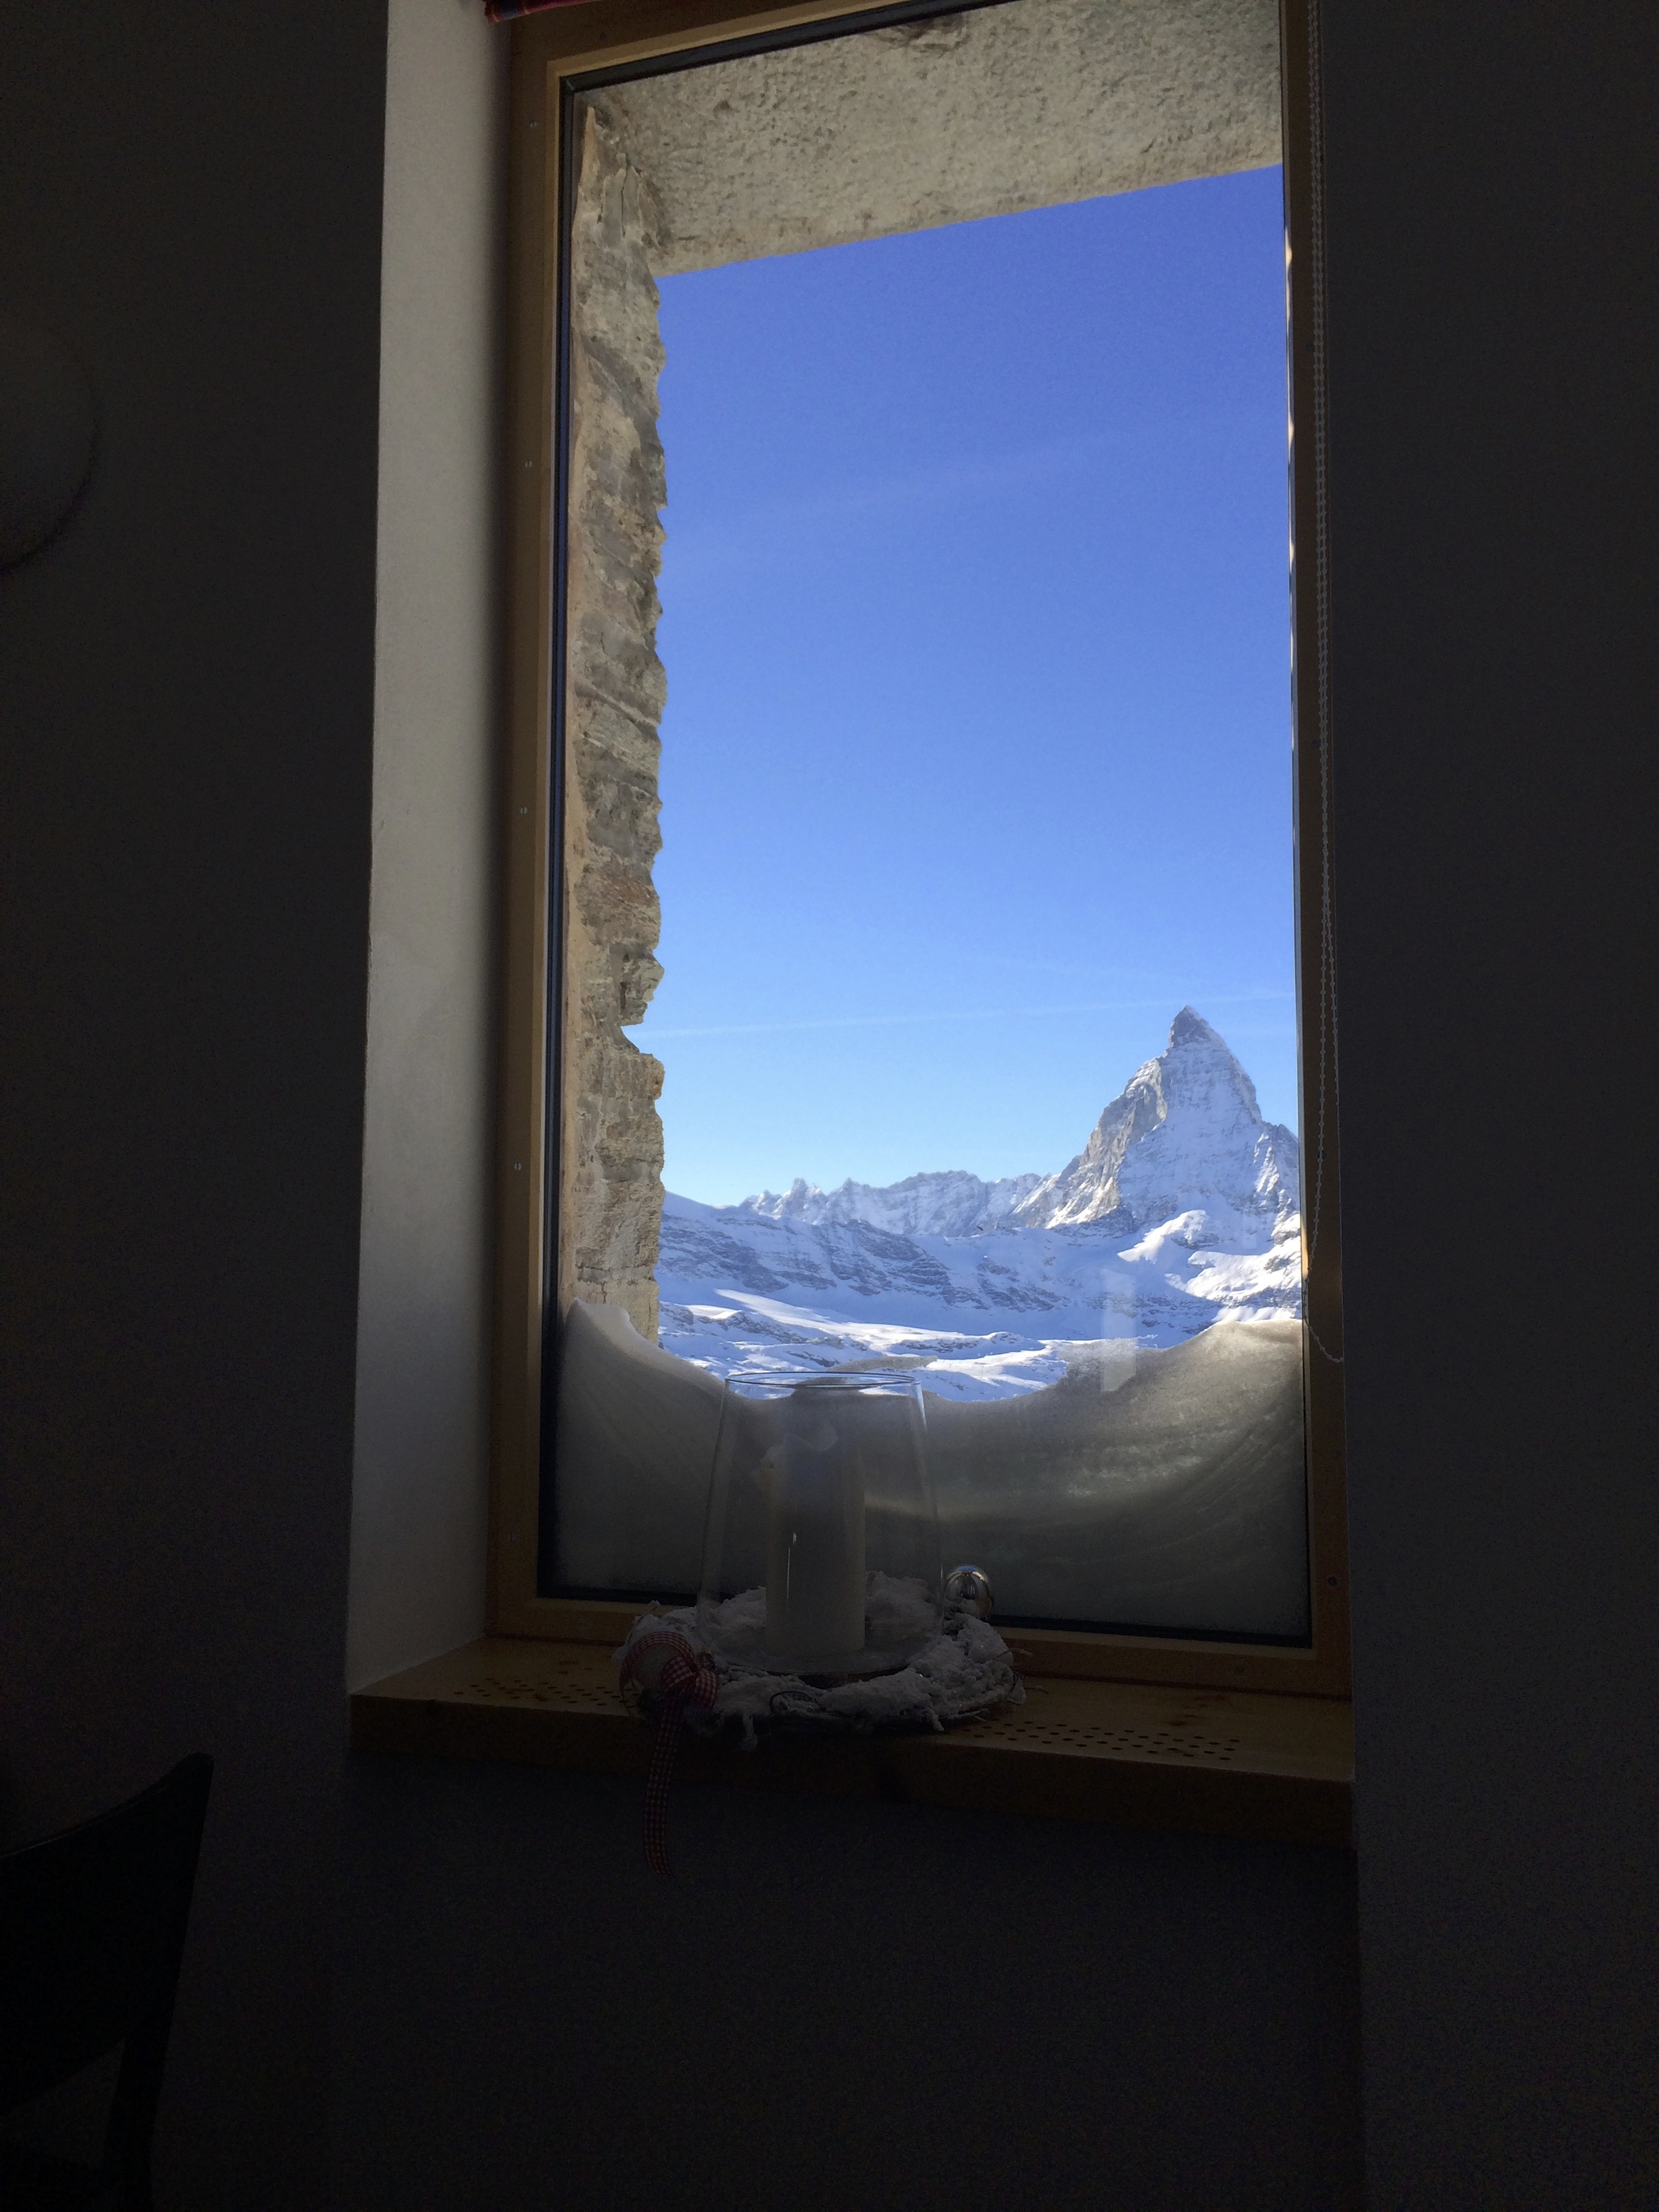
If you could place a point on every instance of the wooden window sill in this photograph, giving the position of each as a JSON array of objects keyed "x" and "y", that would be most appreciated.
[{"x": 1137, "y": 1754}]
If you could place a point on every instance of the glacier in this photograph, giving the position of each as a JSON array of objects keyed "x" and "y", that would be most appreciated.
[{"x": 1181, "y": 1213}]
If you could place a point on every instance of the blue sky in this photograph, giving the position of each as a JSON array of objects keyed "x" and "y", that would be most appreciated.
[{"x": 976, "y": 759}]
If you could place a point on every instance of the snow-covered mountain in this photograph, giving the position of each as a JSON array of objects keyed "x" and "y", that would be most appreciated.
[
  {"x": 1185, "y": 1132},
  {"x": 1180, "y": 1212},
  {"x": 950, "y": 1204}
]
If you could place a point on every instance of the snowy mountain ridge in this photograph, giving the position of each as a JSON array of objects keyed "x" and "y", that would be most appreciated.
[
  {"x": 1186, "y": 1128},
  {"x": 1181, "y": 1211},
  {"x": 950, "y": 1204}
]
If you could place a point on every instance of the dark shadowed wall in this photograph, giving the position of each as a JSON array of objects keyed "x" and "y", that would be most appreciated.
[
  {"x": 837, "y": 2006},
  {"x": 1493, "y": 327},
  {"x": 833, "y": 2008},
  {"x": 191, "y": 200}
]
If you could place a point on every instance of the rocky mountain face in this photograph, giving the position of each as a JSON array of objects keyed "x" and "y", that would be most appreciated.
[
  {"x": 1181, "y": 1211},
  {"x": 1184, "y": 1132}
]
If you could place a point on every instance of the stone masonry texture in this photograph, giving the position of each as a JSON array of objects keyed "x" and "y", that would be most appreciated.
[{"x": 612, "y": 1199}]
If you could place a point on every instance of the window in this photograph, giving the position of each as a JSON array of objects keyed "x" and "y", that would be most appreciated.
[{"x": 699, "y": 151}]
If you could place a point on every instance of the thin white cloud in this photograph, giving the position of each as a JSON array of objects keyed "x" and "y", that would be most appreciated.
[
  {"x": 752, "y": 534},
  {"x": 955, "y": 1014}
]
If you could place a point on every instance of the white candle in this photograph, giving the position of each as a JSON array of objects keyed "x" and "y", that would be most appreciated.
[{"x": 814, "y": 1539}]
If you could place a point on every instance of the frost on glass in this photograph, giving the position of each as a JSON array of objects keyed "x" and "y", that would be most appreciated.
[{"x": 1112, "y": 1357}]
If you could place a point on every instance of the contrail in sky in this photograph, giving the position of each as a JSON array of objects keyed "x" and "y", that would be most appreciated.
[{"x": 958, "y": 1014}]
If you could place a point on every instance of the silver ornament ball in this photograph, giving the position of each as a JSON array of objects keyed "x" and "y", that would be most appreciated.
[{"x": 970, "y": 1589}]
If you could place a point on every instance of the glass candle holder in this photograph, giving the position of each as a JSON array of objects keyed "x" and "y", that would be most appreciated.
[{"x": 821, "y": 1554}]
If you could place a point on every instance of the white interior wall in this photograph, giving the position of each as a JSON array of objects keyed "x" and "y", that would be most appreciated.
[{"x": 419, "y": 1501}]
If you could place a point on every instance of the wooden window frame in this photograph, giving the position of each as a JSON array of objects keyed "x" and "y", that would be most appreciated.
[{"x": 549, "y": 50}]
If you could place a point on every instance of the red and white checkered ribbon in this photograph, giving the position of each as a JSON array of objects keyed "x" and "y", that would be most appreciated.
[{"x": 678, "y": 1680}]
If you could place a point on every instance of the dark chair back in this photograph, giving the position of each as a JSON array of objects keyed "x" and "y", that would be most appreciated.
[{"x": 92, "y": 1930}]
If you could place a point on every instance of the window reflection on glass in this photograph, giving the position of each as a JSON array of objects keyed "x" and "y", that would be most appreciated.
[{"x": 974, "y": 993}]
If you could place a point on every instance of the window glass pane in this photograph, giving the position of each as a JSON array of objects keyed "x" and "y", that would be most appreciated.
[{"x": 976, "y": 1009}]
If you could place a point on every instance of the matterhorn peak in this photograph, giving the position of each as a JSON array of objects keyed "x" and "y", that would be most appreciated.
[
  {"x": 1190, "y": 1027},
  {"x": 1185, "y": 1130}
]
